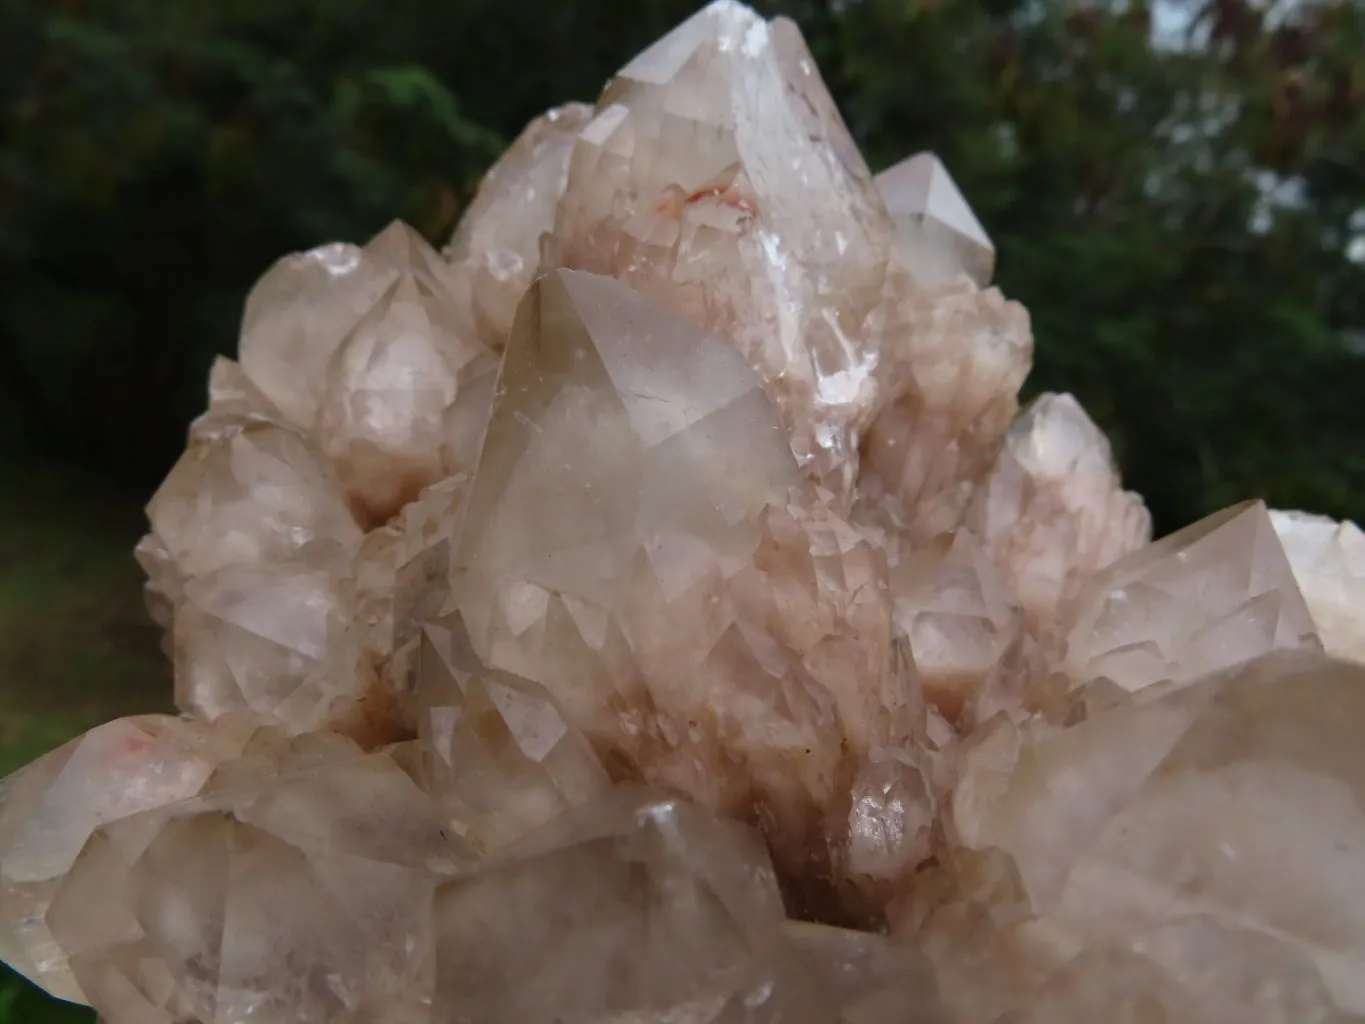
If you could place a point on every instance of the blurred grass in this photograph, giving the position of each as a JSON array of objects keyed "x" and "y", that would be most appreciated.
[{"x": 76, "y": 646}]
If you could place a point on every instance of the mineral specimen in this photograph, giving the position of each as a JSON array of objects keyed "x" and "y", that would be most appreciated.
[{"x": 654, "y": 610}]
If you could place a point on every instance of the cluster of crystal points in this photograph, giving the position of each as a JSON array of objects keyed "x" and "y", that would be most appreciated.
[{"x": 654, "y": 609}]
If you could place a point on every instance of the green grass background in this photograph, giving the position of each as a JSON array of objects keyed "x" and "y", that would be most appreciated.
[{"x": 76, "y": 646}]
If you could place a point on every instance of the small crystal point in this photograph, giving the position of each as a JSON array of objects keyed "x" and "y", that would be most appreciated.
[
  {"x": 251, "y": 495},
  {"x": 297, "y": 315},
  {"x": 393, "y": 383},
  {"x": 1052, "y": 512},
  {"x": 500, "y": 759},
  {"x": 496, "y": 246},
  {"x": 938, "y": 234},
  {"x": 1328, "y": 561}
]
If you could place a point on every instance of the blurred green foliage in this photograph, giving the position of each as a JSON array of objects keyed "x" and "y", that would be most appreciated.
[{"x": 1178, "y": 219}]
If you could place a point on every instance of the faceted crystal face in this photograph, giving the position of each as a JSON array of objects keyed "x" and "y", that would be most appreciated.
[
  {"x": 1170, "y": 819},
  {"x": 681, "y": 614},
  {"x": 394, "y": 381},
  {"x": 273, "y": 640},
  {"x": 669, "y": 895},
  {"x": 652, "y": 610},
  {"x": 402, "y": 580},
  {"x": 234, "y": 402},
  {"x": 500, "y": 759},
  {"x": 297, "y": 315},
  {"x": 601, "y": 461},
  {"x": 49, "y": 809},
  {"x": 686, "y": 909},
  {"x": 255, "y": 494},
  {"x": 1052, "y": 511},
  {"x": 959, "y": 618},
  {"x": 1328, "y": 561},
  {"x": 496, "y": 248},
  {"x": 937, "y": 233},
  {"x": 1203, "y": 599},
  {"x": 718, "y": 178},
  {"x": 295, "y": 890}
]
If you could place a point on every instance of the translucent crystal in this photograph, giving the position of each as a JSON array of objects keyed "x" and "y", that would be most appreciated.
[
  {"x": 1328, "y": 560},
  {"x": 251, "y": 495},
  {"x": 49, "y": 809},
  {"x": 959, "y": 617},
  {"x": 1052, "y": 512},
  {"x": 1202, "y": 599},
  {"x": 604, "y": 440},
  {"x": 1149, "y": 813},
  {"x": 297, "y": 315},
  {"x": 402, "y": 579},
  {"x": 718, "y": 178},
  {"x": 496, "y": 247},
  {"x": 954, "y": 361},
  {"x": 938, "y": 234},
  {"x": 683, "y": 616},
  {"x": 668, "y": 894},
  {"x": 234, "y": 402},
  {"x": 393, "y": 382},
  {"x": 499, "y": 757},
  {"x": 285, "y": 898},
  {"x": 273, "y": 639}
]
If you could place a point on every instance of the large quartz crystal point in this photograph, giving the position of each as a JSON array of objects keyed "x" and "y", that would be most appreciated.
[
  {"x": 1052, "y": 512},
  {"x": 937, "y": 234},
  {"x": 951, "y": 373},
  {"x": 394, "y": 383},
  {"x": 718, "y": 178},
  {"x": 499, "y": 757},
  {"x": 1238, "y": 797},
  {"x": 1328, "y": 559},
  {"x": 297, "y": 887},
  {"x": 49, "y": 809},
  {"x": 1204, "y": 598},
  {"x": 683, "y": 906},
  {"x": 496, "y": 245}
]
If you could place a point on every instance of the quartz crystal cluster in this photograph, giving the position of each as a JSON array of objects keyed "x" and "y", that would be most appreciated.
[{"x": 655, "y": 608}]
